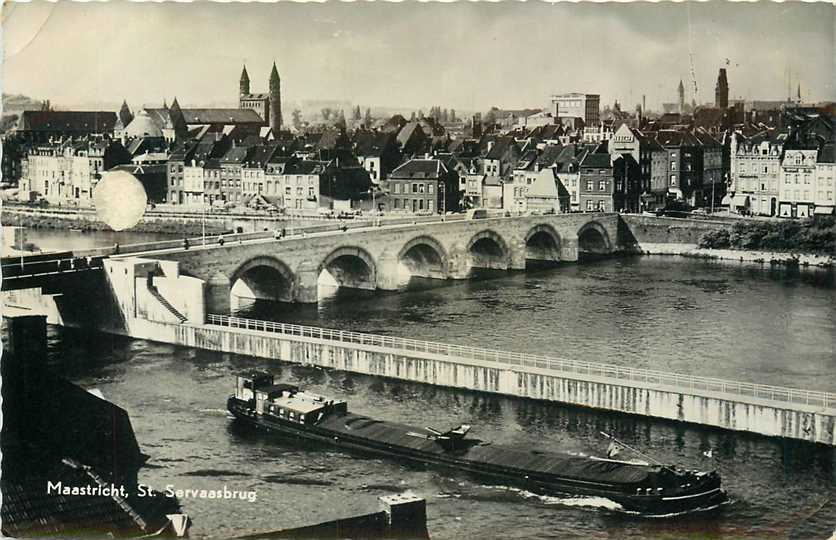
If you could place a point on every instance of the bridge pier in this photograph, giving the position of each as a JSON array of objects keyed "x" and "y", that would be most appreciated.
[
  {"x": 387, "y": 273},
  {"x": 569, "y": 250},
  {"x": 307, "y": 284}
]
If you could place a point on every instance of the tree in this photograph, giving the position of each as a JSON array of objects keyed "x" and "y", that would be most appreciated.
[
  {"x": 326, "y": 113},
  {"x": 357, "y": 114},
  {"x": 367, "y": 120},
  {"x": 420, "y": 114},
  {"x": 490, "y": 116},
  {"x": 452, "y": 115},
  {"x": 297, "y": 119},
  {"x": 340, "y": 120}
]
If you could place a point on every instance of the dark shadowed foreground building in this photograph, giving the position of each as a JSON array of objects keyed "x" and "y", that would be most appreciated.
[{"x": 57, "y": 434}]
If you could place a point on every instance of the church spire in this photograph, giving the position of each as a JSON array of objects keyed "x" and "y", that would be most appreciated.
[
  {"x": 125, "y": 115},
  {"x": 244, "y": 83}
]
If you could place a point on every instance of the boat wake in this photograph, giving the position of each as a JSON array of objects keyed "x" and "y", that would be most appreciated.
[{"x": 590, "y": 502}]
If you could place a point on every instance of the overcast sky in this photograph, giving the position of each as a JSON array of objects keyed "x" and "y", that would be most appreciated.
[{"x": 467, "y": 56}]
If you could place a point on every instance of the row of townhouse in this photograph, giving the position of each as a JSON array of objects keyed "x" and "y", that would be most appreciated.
[
  {"x": 66, "y": 172},
  {"x": 785, "y": 173},
  {"x": 215, "y": 172}
]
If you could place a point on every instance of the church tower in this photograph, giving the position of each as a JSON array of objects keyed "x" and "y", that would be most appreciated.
[
  {"x": 721, "y": 90},
  {"x": 244, "y": 83},
  {"x": 275, "y": 100}
]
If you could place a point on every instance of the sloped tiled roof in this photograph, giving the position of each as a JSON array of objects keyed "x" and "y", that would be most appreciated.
[
  {"x": 419, "y": 168},
  {"x": 235, "y": 155},
  {"x": 597, "y": 160},
  {"x": 62, "y": 121},
  {"x": 826, "y": 153},
  {"x": 221, "y": 116}
]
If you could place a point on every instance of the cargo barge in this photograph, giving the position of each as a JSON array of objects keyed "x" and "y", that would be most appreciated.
[{"x": 640, "y": 487}]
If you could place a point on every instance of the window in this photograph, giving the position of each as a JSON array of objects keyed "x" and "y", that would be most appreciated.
[
  {"x": 673, "y": 166},
  {"x": 299, "y": 191},
  {"x": 430, "y": 189},
  {"x": 310, "y": 191},
  {"x": 420, "y": 188},
  {"x": 602, "y": 185},
  {"x": 806, "y": 178},
  {"x": 589, "y": 185},
  {"x": 287, "y": 190},
  {"x": 673, "y": 179},
  {"x": 430, "y": 206},
  {"x": 414, "y": 188},
  {"x": 589, "y": 205},
  {"x": 397, "y": 204},
  {"x": 420, "y": 204},
  {"x": 397, "y": 188}
]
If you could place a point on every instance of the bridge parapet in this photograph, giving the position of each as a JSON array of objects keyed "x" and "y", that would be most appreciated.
[{"x": 366, "y": 256}]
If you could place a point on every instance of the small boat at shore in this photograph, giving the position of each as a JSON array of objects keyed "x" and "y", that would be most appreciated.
[{"x": 642, "y": 487}]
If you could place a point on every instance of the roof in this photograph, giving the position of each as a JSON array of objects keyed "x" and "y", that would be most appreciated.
[
  {"x": 406, "y": 132},
  {"x": 221, "y": 116},
  {"x": 235, "y": 155},
  {"x": 367, "y": 143},
  {"x": 500, "y": 147},
  {"x": 255, "y": 96},
  {"x": 419, "y": 168},
  {"x": 79, "y": 121},
  {"x": 826, "y": 153},
  {"x": 597, "y": 160},
  {"x": 260, "y": 155},
  {"x": 669, "y": 137}
]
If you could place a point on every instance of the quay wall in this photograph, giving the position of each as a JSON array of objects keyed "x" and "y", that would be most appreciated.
[
  {"x": 733, "y": 412},
  {"x": 641, "y": 230}
]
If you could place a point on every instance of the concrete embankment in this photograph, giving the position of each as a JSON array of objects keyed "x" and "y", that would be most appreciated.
[
  {"x": 650, "y": 235},
  {"x": 760, "y": 257}
]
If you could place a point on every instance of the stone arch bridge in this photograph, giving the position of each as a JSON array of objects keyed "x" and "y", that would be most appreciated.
[{"x": 288, "y": 269}]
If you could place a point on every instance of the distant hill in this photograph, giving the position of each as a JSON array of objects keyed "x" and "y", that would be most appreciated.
[{"x": 17, "y": 103}]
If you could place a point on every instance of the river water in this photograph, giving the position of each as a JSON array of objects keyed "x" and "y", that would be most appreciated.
[{"x": 707, "y": 318}]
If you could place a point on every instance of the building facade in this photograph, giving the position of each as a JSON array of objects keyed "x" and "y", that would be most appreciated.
[
  {"x": 797, "y": 188},
  {"x": 755, "y": 172},
  {"x": 423, "y": 186}
]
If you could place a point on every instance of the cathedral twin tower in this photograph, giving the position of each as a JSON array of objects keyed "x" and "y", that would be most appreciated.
[{"x": 269, "y": 105}]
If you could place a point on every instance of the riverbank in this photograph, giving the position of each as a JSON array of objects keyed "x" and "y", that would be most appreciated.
[{"x": 752, "y": 256}]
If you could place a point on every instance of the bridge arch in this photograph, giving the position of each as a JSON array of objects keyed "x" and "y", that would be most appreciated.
[
  {"x": 263, "y": 278},
  {"x": 543, "y": 243},
  {"x": 593, "y": 239},
  {"x": 351, "y": 267},
  {"x": 424, "y": 256},
  {"x": 488, "y": 249}
]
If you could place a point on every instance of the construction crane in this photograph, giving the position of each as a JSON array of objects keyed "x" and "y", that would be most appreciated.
[{"x": 693, "y": 71}]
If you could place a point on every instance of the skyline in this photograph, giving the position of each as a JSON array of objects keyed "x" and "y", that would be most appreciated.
[{"x": 464, "y": 56}]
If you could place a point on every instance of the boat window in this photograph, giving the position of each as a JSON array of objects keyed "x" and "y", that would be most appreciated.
[
  {"x": 292, "y": 415},
  {"x": 302, "y": 418}
]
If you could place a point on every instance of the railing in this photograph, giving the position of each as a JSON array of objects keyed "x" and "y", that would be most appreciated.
[
  {"x": 15, "y": 270},
  {"x": 618, "y": 374}
]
